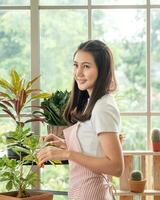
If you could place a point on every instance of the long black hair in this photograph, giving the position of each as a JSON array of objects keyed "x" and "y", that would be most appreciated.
[{"x": 105, "y": 83}]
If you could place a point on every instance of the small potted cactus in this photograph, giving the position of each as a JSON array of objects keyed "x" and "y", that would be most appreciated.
[
  {"x": 136, "y": 181},
  {"x": 155, "y": 136}
]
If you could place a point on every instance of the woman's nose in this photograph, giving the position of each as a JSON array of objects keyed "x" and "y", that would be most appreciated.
[{"x": 79, "y": 71}]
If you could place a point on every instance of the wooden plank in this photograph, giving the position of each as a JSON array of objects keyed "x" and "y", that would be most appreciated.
[
  {"x": 149, "y": 174},
  {"x": 156, "y": 175},
  {"x": 140, "y": 153},
  {"x": 143, "y": 169},
  {"x": 128, "y": 163},
  {"x": 146, "y": 192}
]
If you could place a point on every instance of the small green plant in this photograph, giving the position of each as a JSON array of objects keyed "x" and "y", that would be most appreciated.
[
  {"x": 15, "y": 96},
  {"x": 136, "y": 175},
  {"x": 53, "y": 108},
  {"x": 155, "y": 135},
  {"x": 11, "y": 170}
]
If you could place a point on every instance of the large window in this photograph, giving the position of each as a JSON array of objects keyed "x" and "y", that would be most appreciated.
[{"x": 41, "y": 36}]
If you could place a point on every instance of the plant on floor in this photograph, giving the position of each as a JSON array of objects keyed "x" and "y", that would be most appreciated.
[
  {"x": 15, "y": 96},
  {"x": 136, "y": 181},
  {"x": 155, "y": 137}
]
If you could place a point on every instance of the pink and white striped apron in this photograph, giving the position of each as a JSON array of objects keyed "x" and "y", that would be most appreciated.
[{"x": 83, "y": 183}]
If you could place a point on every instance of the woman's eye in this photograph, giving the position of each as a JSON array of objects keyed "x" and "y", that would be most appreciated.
[
  {"x": 86, "y": 66},
  {"x": 75, "y": 65}
]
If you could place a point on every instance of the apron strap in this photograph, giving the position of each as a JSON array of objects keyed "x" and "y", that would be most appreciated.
[{"x": 112, "y": 188}]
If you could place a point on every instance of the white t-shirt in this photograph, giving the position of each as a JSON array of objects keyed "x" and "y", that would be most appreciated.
[{"x": 105, "y": 117}]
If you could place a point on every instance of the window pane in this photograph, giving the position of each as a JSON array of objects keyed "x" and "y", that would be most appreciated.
[
  {"x": 15, "y": 43},
  {"x": 155, "y": 122},
  {"x": 155, "y": 1},
  {"x": 119, "y": 2},
  {"x": 63, "y": 2},
  {"x": 127, "y": 38},
  {"x": 135, "y": 132},
  {"x": 155, "y": 59},
  {"x": 14, "y": 2},
  {"x": 59, "y": 39},
  {"x": 55, "y": 177}
]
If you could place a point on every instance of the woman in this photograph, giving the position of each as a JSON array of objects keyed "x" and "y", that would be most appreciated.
[{"x": 92, "y": 143}]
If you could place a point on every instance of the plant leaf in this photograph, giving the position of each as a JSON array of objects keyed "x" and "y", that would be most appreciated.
[
  {"x": 3, "y": 94},
  {"x": 6, "y": 85},
  {"x": 35, "y": 120},
  {"x": 7, "y": 103},
  {"x": 30, "y": 83},
  {"x": 41, "y": 95},
  {"x": 33, "y": 90},
  {"x": 9, "y": 113},
  {"x": 15, "y": 79},
  {"x": 9, "y": 185}
]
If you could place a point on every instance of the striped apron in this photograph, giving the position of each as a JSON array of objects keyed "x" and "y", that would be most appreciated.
[{"x": 83, "y": 183}]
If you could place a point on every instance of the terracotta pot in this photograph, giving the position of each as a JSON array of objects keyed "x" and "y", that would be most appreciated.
[
  {"x": 137, "y": 186},
  {"x": 156, "y": 146},
  {"x": 34, "y": 196},
  {"x": 57, "y": 130}
]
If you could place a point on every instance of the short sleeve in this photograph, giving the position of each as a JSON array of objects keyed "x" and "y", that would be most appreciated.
[{"x": 105, "y": 118}]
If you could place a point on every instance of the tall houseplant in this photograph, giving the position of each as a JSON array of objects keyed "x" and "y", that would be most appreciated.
[{"x": 14, "y": 98}]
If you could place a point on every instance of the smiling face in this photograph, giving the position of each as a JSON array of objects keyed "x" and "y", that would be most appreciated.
[{"x": 85, "y": 71}]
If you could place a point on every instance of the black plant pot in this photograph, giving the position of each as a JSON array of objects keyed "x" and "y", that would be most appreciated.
[
  {"x": 13, "y": 155},
  {"x": 10, "y": 152}
]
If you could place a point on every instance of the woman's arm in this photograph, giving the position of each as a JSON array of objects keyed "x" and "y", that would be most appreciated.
[{"x": 111, "y": 163}]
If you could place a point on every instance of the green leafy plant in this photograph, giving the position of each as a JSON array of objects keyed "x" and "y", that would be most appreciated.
[
  {"x": 53, "y": 108},
  {"x": 14, "y": 98},
  {"x": 136, "y": 175},
  {"x": 11, "y": 170}
]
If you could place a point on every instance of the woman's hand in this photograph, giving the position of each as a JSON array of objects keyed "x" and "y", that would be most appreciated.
[
  {"x": 55, "y": 141},
  {"x": 51, "y": 153}
]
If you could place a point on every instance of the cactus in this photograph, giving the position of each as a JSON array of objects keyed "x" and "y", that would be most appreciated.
[
  {"x": 136, "y": 175},
  {"x": 155, "y": 134}
]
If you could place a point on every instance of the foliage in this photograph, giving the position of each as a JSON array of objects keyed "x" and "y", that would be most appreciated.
[
  {"x": 12, "y": 170},
  {"x": 15, "y": 96},
  {"x": 136, "y": 175},
  {"x": 155, "y": 135},
  {"x": 53, "y": 108}
]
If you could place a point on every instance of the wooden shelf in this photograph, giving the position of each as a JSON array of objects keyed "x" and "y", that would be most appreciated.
[
  {"x": 146, "y": 193},
  {"x": 139, "y": 152}
]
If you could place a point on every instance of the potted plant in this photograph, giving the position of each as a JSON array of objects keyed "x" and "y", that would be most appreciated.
[
  {"x": 155, "y": 136},
  {"x": 15, "y": 97},
  {"x": 136, "y": 181},
  {"x": 52, "y": 110}
]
